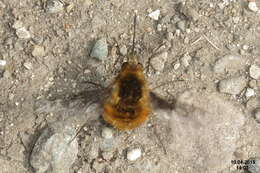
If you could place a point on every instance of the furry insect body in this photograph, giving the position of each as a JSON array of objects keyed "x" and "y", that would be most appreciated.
[{"x": 129, "y": 103}]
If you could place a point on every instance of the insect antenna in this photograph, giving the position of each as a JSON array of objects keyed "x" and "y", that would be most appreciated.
[
  {"x": 133, "y": 48},
  {"x": 132, "y": 58}
]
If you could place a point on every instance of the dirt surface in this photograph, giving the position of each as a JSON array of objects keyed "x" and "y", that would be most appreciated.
[{"x": 47, "y": 55}]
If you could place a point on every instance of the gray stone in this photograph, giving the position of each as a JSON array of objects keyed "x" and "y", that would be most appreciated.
[
  {"x": 204, "y": 137},
  {"x": 123, "y": 50},
  {"x": 232, "y": 85},
  {"x": 229, "y": 63},
  {"x": 253, "y": 103},
  {"x": 257, "y": 115},
  {"x": 254, "y": 168},
  {"x": 100, "y": 49},
  {"x": 181, "y": 25},
  {"x": 254, "y": 72},
  {"x": 54, "y": 152},
  {"x": 159, "y": 60}
]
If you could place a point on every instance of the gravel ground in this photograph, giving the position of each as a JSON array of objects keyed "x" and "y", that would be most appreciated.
[{"x": 57, "y": 59}]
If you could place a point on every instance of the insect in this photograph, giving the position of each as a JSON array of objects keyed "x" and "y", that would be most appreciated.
[{"x": 128, "y": 106}]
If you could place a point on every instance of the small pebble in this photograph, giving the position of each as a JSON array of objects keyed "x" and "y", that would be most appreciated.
[
  {"x": 181, "y": 25},
  {"x": 22, "y": 33},
  {"x": 188, "y": 30},
  {"x": 176, "y": 66},
  {"x": 38, "y": 51},
  {"x": 17, "y": 24},
  {"x": 254, "y": 168},
  {"x": 87, "y": 3},
  {"x": 107, "y": 133},
  {"x": 154, "y": 15},
  {"x": 159, "y": 60},
  {"x": 242, "y": 52},
  {"x": 54, "y": 6},
  {"x": 170, "y": 35},
  {"x": 98, "y": 166},
  {"x": 236, "y": 19},
  {"x": 245, "y": 47},
  {"x": 123, "y": 50},
  {"x": 2, "y": 5},
  {"x": 252, "y": 6},
  {"x": 253, "y": 103},
  {"x": 189, "y": 12},
  {"x": 100, "y": 49},
  {"x": 178, "y": 32},
  {"x": 69, "y": 7},
  {"x": 254, "y": 72},
  {"x": 185, "y": 60},
  {"x": 134, "y": 154},
  {"x": 186, "y": 40},
  {"x": 232, "y": 85},
  {"x": 250, "y": 92},
  {"x": 252, "y": 83},
  {"x": 159, "y": 27},
  {"x": 107, "y": 155},
  {"x": 28, "y": 65},
  {"x": 2, "y": 62},
  {"x": 221, "y": 5}
]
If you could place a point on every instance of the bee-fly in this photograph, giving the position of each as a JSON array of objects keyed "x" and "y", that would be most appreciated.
[{"x": 128, "y": 106}]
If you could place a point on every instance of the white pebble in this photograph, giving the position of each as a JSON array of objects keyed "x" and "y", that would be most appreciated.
[
  {"x": 252, "y": 6},
  {"x": 38, "y": 51},
  {"x": 186, "y": 60},
  {"x": 28, "y": 65},
  {"x": 107, "y": 133},
  {"x": 155, "y": 14},
  {"x": 250, "y": 92},
  {"x": 17, "y": 24},
  {"x": 254, "y": 72},
  {"x": 170, "y": 36},
  {"x": 178, "y": 32},
  {"x": 23, "y": 33},
  {"x": 159, "y": 27},
  {"x": 176, "y": 66},
  {"x": 245, "y": 47},
  {"x": 134, "y": 154},
  {"x": 2, "y": 62}
]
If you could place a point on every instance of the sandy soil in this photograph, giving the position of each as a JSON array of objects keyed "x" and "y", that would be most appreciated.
[{"x": 47, "y": 59}]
